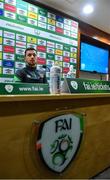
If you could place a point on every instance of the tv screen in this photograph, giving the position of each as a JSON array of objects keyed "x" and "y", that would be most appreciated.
[{"x": 93, "y": 58}]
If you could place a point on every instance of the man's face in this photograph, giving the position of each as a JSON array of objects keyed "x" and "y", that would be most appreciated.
[{"x": 31, "y": 58}]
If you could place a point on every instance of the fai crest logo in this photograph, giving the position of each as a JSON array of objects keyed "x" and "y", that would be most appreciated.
[
  {"x": 59, "y": 140},
  {"x": 9, "y": 88},
  {"x": 74, "y": 84}
]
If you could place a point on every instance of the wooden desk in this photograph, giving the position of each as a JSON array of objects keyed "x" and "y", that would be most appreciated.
[{"x": 17, "y": 114}]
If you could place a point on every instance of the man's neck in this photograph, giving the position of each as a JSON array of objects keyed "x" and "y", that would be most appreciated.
[{"x": 31, "y": 66}]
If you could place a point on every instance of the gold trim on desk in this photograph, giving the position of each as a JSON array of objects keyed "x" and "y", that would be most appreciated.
[{"x": 41, "y": 97}]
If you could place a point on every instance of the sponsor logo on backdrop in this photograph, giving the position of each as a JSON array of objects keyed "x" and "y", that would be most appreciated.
[
  {"x": 43, "y": 12},
  {"x": 9, "y": 42},
  {"x": 19, "y": 57},
  {"x": 59, "y": 24},
  {"x": 66, "y": 59},
  {"x": 19, "y": 65},
  {"x": 73, "y": 29},
  {"x": 21, "y": 12},
  {"x": 59, "y": 46},
  {"x": 42, "y": 18},
  {"x": 51, "y": 16},
  {"x": 50, "y": 56},
  {"x": 50, "y": 50},
  {"x": 65, "y": 64},
  {"x": 41, "y": 42},
  {"x": 58, "y": 52},
  {"x": 20, "y": 37},
  {"x": 41, "y": 55},
  {"x": 74, "y": 24},
  {"x": 74, "y": 55},
  {"x": 67, "y": 21},
  {"x": 32, "y": 22},
  {"x": 9, "y": 15},
  {"x": 42, "y": 25},
  {"x": 20, "y": 44},
  {"x": 32, "y": 15},
  {"x": 66, "y": 53},
  {"x": 32, "y": 8},
  {"x": 60, "y": 19},
  {"x": 8, "y": 71},
  {"x": 12, "y": 2},
  {"x": 59, "y": 30},
  {"x": 9, "y": 49},
  {"x": 74, "y": 42},
  {"x": 66, "y": 48},
  {"x": 22, "y": 5},
  {"x": 73, "y": 49},
  {"x": 74, "y": 35},
  {"x": 10, "y": 8},
  {"x": 67, "y": 27},
  {"x": 72, "y": 60},
  {"x": 17, "y": 27},
  {"x": 21, "y": 18},
  {"x": 67, "y": 33},
  {"x": 58, "y": 58},
  {"x": 31, "y": 45},
  {"x": 31, "y": 39},
  {"x": 20, "y": 51},
  {"x": 8, "y": 34},
  {"x": 51, "y": 21},
  {"x": 50, "y": 44},
  {"x": 59, "y": 63},
  {"x": 41, "y": 60},
  {"x": 50, "y": 27},
  {"x": 5, "y": 80},
  {"x": 50, "y": 62},
  {"x": 65, "y": 69},
  {"x": 8, "y": 63},
  {"x": 41, "y": 48},
  {"x": 55, "y": 37}
]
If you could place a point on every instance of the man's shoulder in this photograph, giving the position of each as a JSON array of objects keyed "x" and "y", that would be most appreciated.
[
  {"x": 19, "y": 74},
  {"x": 37, "y": 70},
  {"x": 19, "y": 71}
]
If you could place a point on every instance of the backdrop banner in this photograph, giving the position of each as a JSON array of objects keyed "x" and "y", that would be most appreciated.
[
  {"x": 85, "y": 86},
  {"x": 23, "y": 88}
]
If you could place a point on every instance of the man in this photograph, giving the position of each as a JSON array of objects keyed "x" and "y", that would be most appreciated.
[{"x": 30, "y": 74}]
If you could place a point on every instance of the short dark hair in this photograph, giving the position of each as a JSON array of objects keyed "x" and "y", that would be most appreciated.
[{"x": 28, "y": 49}]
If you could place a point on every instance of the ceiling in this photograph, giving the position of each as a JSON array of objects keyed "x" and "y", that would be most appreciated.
[{"x": 100, "y": 18}]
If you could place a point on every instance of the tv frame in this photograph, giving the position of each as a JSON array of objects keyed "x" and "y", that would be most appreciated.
[{"x": 97, "y": 43}]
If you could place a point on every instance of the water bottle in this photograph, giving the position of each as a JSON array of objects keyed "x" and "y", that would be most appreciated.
[{"x": 55, "y": 79}]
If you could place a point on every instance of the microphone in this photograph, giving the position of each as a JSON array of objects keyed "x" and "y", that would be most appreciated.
[{"x": 44, "y": 66}]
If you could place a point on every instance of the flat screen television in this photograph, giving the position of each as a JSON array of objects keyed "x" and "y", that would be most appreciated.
[{"x": 93, "y": 58}]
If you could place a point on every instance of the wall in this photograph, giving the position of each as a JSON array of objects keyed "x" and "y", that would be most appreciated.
[
  {"x": 91, "y": 31},
  {"x": 99, "y": 38}
]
